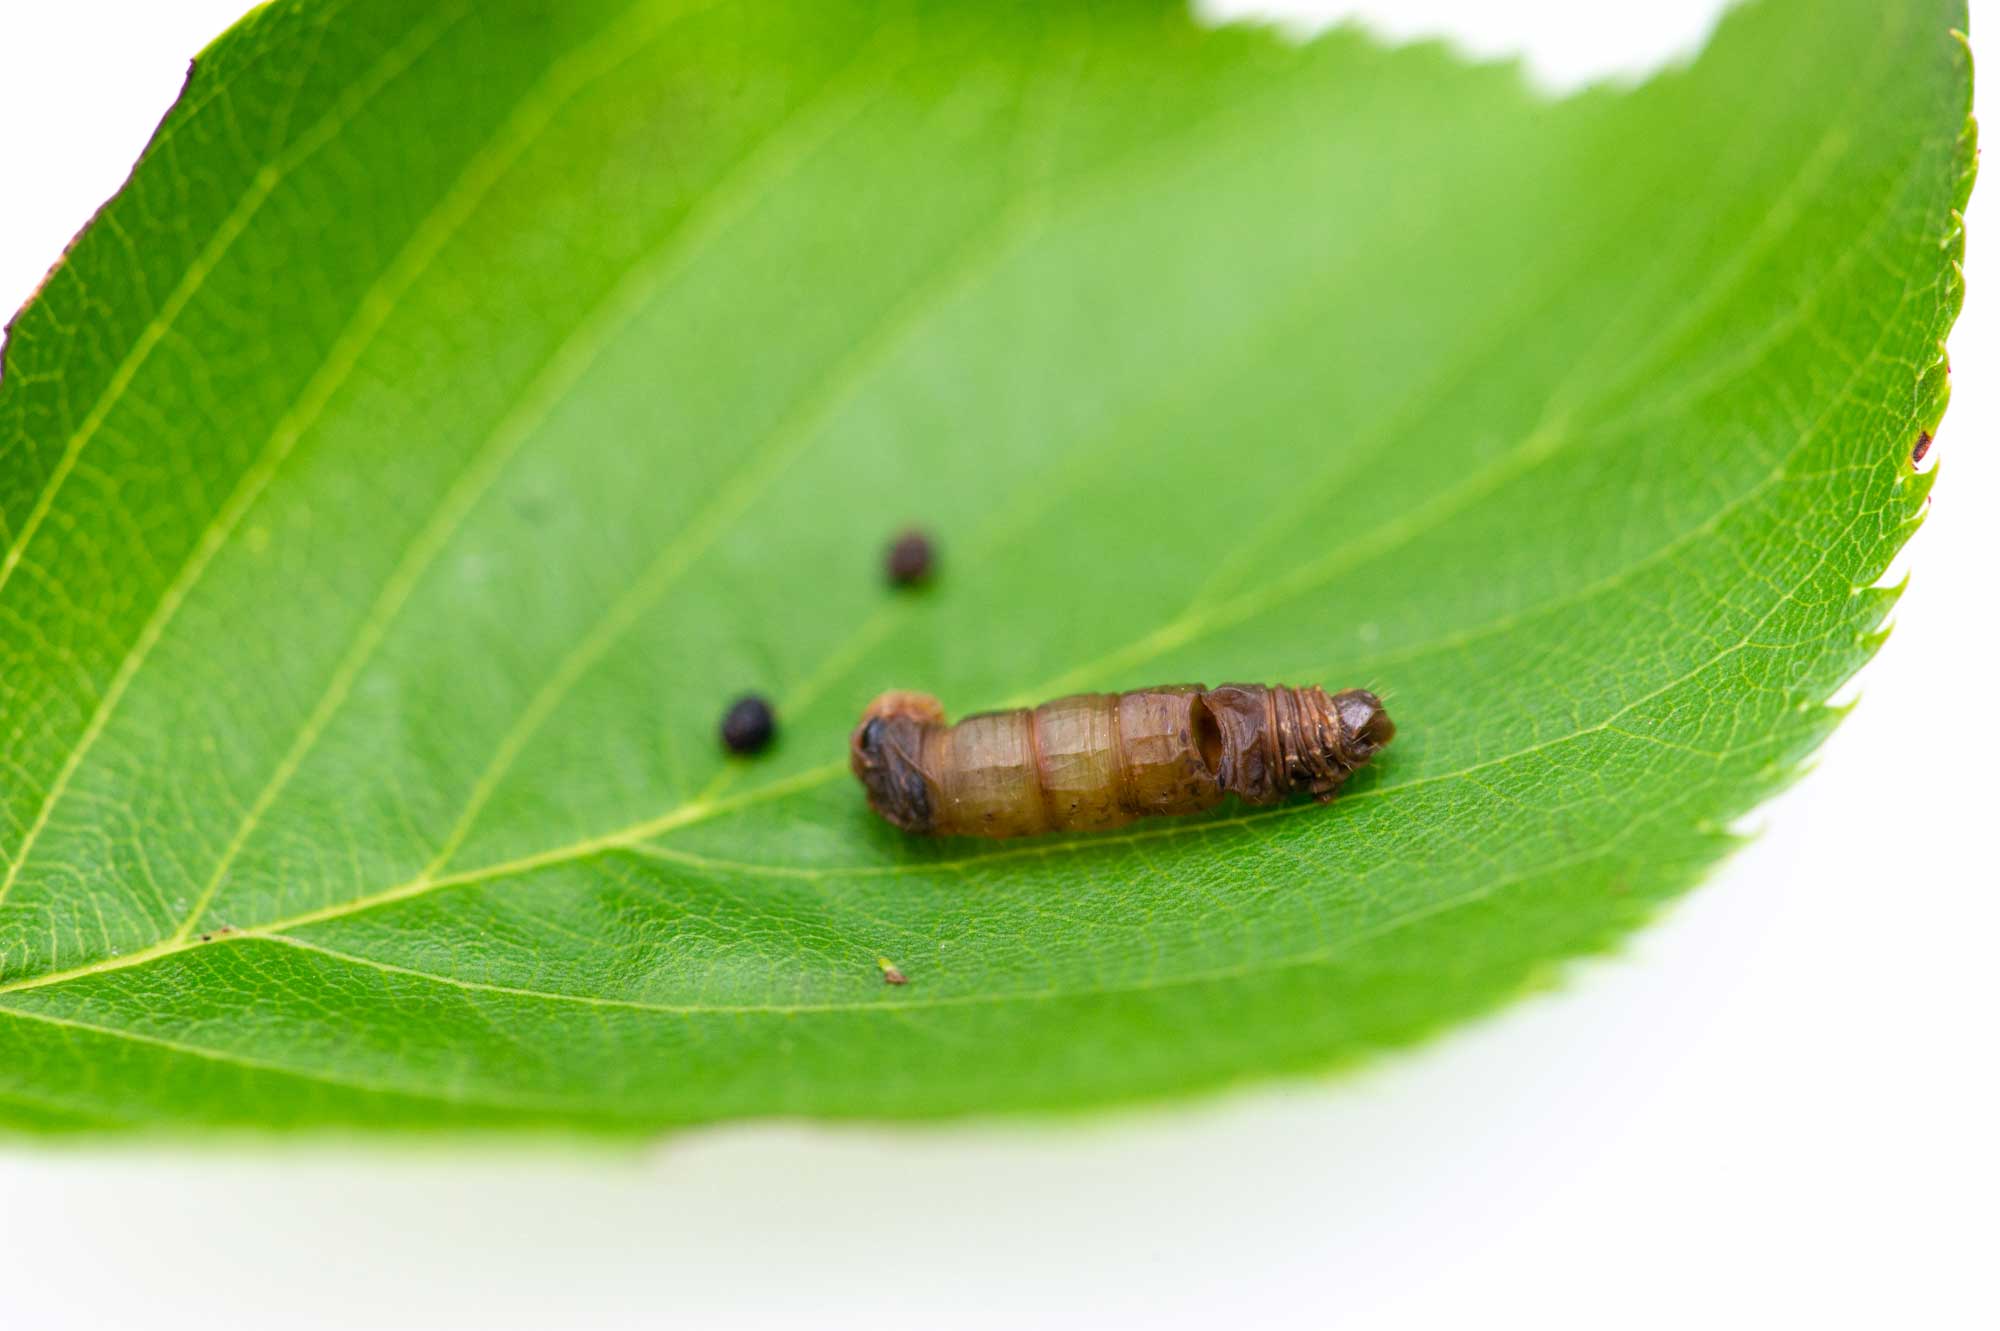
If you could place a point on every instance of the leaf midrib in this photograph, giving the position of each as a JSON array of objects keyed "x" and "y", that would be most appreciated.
[
  {"x": 275, "y": 930},
  {"x": 894, "y": 1005}
]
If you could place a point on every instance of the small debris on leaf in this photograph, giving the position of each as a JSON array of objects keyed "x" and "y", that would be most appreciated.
[
  {"x": 749, "y": 725},
  {"x": 890, "y": 975},
  {"x": 1923, "y": 447}
]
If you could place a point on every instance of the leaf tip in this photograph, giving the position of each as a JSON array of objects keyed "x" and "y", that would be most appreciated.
[{"x": 152, "y": 142}]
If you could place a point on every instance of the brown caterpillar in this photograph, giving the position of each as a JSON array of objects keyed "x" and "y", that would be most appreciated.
[{"x": 1098, "y": 760}]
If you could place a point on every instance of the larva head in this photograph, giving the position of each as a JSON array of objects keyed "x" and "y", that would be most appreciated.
[
  {"x": 1317, "y": 740},
  {"x": 1278, "y": 741},
  {"x": 1364, "y": 723},
  {"x": 886, "y": 752}
]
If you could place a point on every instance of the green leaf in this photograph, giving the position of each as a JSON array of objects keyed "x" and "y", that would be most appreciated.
[{"x": 461, "y": 404}]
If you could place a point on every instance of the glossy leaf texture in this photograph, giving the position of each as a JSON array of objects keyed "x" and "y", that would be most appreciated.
[{"x": 462, "y": 403}]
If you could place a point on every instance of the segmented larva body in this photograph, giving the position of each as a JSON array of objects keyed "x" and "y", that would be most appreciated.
[{"x": 1098, "y": 760}]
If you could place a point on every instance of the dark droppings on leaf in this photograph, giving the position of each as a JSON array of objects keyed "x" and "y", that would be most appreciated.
[
  {"x": 910, "y": 559},
  {"x": 748, "y": 725},
  {"x": 1924, "y": 439}
]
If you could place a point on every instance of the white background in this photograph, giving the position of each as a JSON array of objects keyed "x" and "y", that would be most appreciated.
[{"x": 1778, "y": 1106}]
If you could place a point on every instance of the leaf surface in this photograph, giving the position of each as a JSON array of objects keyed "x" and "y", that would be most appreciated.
[{"x": 462, "y": 403}]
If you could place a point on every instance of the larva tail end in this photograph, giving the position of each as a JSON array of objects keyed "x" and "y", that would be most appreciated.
[{"x": 884, "y": 752}]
